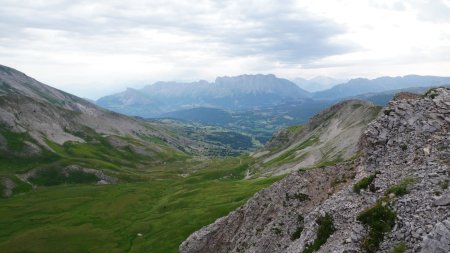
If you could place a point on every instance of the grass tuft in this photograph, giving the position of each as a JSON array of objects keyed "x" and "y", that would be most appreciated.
[
  {"x": 297, "y": 233},
  {"x": 444, "y": 184},
  {"x": 399, "y": 248},
  {"x": 363, "y": 183},
  {"x": 325, "y": 230},
  {"x": 401, "y": 188},
  {"x": 380, "y": 219}
]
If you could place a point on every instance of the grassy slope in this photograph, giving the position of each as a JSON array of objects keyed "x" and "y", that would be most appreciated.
[{"x": 163, "y": 206}]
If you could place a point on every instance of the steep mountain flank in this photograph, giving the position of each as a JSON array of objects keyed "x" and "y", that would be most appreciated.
[
  {"x": 44, "y": 114},
  {"x": 45, "y": 133},
  {"x": 394, "y": 197},
  {"x": 329, "y": 137}
]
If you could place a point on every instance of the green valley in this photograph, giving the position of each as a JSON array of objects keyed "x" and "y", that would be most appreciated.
[{"x": 153, "y": 215}]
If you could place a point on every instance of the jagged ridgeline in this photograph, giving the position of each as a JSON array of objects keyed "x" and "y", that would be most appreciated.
[{"x": 393, "y": 198}]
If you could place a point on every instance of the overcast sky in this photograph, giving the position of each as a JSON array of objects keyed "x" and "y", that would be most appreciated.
[{"x": 96, "y": 47}]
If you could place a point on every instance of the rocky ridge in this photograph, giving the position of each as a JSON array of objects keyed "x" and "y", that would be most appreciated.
[{"x": 402, "y": 176}]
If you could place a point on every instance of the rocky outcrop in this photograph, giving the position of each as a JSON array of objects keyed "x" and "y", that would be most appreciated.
[
  {"x": 7, "y": 187},
  {"x": 404, "y": 153},
  {"x": 102, "y": 177}
]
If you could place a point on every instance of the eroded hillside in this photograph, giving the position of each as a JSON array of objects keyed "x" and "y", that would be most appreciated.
[
  {"x": 328, "y": 138},
  {"x": 394, "y": 197}
]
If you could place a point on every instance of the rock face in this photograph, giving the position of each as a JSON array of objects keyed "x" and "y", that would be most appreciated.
[
  {"x": 406, "y": 153},
  {"x": 7, "y": 186}
]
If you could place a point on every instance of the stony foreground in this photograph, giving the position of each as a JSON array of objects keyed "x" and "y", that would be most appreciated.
[{"x": 394, "y": 196}]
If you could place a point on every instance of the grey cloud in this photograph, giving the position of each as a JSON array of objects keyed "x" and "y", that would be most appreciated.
[
  {"x": 281, "y": 32},
  {"x": 433, "y": 11},
  {"x": 289, "y": 39}
]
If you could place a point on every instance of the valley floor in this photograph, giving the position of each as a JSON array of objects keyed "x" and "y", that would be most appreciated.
[{"x": 155, "y": 215}]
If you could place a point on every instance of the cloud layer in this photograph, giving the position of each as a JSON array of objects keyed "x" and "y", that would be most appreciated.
[{"x": 93, "y": 48}]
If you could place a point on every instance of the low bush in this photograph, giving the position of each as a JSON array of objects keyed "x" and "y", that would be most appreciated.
[
  {"x": 297, "y": 233},
  {"x": 399, "y": 248},
  {"x": 401, "y": 188},
  {"x": 380, "y": 219},
  {"x": 444, "y": 184},
  {"x": 363, "y": 183},
  {"x": 325, "y": 230}
]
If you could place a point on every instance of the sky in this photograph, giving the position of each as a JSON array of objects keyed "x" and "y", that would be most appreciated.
[{"x": 93, "y": 48}]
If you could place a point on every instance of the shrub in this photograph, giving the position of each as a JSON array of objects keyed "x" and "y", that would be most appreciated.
[
  {"x": 298, "y": 196},
  {"x": 403, "y": 147},
  {"x": 379, "y": 219},
  {"x": 363, "y": 183},
  {"x": 296, "y": 233},
  {"x": 325, "y": 230},
  {"x": 399, "y": 248},
  {"x": 444, "y": 184},
  {"x": 276, "y": 231}
]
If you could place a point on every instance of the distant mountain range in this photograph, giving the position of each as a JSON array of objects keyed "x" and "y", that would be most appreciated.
[
  {"x": 249, "y": 92},
  {"x": 361, "y": 86},
  {"x": 317, "y": 83},
  {"x": 234, "y": 93}
]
